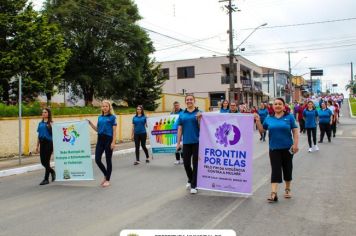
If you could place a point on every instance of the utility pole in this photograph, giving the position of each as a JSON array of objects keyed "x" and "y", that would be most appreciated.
[
  {"x": 352, "y": 73},
  {"x": 231, "y": 56},
  {"x": 289, "y": 67},
  {"x": 231, "y": 9}
]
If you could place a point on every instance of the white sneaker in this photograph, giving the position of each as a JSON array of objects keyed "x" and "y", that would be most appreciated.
[
  {"x": 316, "y": 148},
  {"x": 187, "y": 186},
  {"x": 176, "y": 162},
  {"x": 193, "y": 191},
  {"x": 310, "y": 150},
  {"x": 181, "y": 162}
]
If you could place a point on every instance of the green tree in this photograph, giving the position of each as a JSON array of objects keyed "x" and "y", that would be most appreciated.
[
  {"x": 108, "y": 48},
  {"x": 351, "y": 86},
  {"x": 9, "y": 9},
  {"x": 149, "y": 89},
  {"x": 36, "y": 54}
]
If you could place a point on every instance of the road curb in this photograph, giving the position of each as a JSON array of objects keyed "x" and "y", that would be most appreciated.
[{"x": 29, "y": 168}]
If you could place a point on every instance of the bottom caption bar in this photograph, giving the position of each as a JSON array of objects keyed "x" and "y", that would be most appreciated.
[{"x": 177, "y": 232}]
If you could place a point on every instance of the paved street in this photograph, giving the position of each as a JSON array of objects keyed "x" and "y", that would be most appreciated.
[{"x": 153, "y": 196}]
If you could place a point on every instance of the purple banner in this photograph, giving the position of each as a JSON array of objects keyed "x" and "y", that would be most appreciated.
[{"x": 225, "y": 153}]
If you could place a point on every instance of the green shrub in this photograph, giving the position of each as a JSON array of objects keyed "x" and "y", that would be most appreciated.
[
  {"x": 34, "y": 109},
  {"x": 353, "y": 106}
]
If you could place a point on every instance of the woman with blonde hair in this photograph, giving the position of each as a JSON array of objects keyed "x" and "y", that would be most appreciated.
[{"x": 106, "y": 128}]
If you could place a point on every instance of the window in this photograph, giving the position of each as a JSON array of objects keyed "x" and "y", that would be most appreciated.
[
  {"x": 185, "y": 72},
  {"x": 165, "y": 72}
]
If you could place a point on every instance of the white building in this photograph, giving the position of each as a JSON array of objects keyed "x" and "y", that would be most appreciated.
[{"x": 209, "y": 77}]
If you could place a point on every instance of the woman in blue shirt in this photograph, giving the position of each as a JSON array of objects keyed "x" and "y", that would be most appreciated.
[
  {"x": 263, "y": 113},
  {"x": 45, "y": 144},
  {"x": 325, "y": 121},
  {"x": 280, "y": 127},
  {"x": 106, "y": 128},
  {"x": 188, "y": 127},
  {"x": 224, "y": 107},
  {"x": 139, "y": 135},
  {"x": 310, "y": 116}
]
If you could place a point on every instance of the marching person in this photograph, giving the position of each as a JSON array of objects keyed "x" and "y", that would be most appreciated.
[
  {"x": 106, "y": 128},
  {"x": 310, "y": 116},
  {"x": 282, "y": 146},
  {"x": 263, "y": 113},
  {"x": 188, "y": 122},
  {"x": 325, "y": 121},
  {"x": 224, "y": 107},
  {"x": 139, "y": 134},
  {"x": 45, "y": 144},
  {"x": 177, "y": 111}
]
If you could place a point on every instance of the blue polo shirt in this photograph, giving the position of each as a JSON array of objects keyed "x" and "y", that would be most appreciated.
[
  {"x": 263, "y": 113},
  {"x": 43, "y": 131},
  {"x": 139, "y": 124},
  {"x": 280, "y": 131},
  {"x": 222, "y": 110},
  {"x": 324, "y": 116},
  {"x": 310, "y": 118},
  {"x": 105, "y": 124},
  {"x": 177, "y": 112},
  {"x": 190, "y": 126}
]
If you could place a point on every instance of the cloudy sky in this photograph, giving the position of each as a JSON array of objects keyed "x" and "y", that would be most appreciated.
[{"x": 320, "y": 33}]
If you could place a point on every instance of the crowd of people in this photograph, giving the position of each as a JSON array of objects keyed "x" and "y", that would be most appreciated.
[{"x": 277, "y": 118}]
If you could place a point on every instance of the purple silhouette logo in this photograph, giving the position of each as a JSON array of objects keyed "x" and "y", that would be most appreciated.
[{"x": 227, "y": 134}]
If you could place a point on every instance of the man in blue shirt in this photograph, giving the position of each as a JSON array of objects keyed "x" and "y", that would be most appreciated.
[{"x": 177, "y": 111}]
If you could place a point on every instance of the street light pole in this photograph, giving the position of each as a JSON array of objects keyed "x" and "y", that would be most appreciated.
[{"x": 231, "y": 56}]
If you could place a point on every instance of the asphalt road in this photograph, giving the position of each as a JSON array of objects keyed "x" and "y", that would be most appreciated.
[{"x": 153, "y": 196}]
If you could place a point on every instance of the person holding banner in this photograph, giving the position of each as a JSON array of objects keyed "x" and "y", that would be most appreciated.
[
  {"x": 45, "y": 144},
  {"x": 177, "y": 111},
  {"x": 282, "y": 146},
  {"x": 233, "y": 107},
  {"x": 188, "y": 127},
  {"x": 106, "y": 128},
  {"x": 139, "y": 134},
  {"x": 224, "y": 107}
]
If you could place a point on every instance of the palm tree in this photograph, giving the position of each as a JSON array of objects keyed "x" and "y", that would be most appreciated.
[{"x": 352, "y": 86}]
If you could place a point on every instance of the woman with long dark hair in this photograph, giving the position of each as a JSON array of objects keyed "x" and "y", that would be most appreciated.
[
  {"x": 45, "y": 144},
  {"x": 224, "y": 107},
  {"x": 106, "y": 128},
  {"x": 282, "y": 146},
  {"x": 310, "y": 117},
  {"x": 188, "y": 127},
  {"x": 139, "y": 134}
]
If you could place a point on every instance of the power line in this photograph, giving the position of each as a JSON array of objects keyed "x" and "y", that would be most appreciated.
[
  {"x": 280, "y": 50},
  {"x": 305, "y": 23},
  {"x": 150, "y": 30}
]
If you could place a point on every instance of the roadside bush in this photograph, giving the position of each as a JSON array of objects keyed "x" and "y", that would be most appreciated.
[{"x": 34, "y": 109}]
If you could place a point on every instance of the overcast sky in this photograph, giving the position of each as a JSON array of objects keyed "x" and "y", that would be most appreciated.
[{"x": 330, "y": 46}]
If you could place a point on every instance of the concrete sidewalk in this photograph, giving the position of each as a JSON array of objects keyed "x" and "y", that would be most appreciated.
[{"x": 31, "y": 163}]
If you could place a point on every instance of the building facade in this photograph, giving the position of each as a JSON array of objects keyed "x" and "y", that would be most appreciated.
[
  {"x": 210, "y": 78},
  {"x": 277, "y": 83}
]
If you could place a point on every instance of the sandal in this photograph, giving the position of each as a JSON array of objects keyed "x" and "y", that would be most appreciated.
[
  {"x": 287, "y": 193},
  {"x": 136, "y": 163},
  {"x": 147, "y": 160},
  {"x": 106, "y": 184},
  {"x": 273, "y": 197}
]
